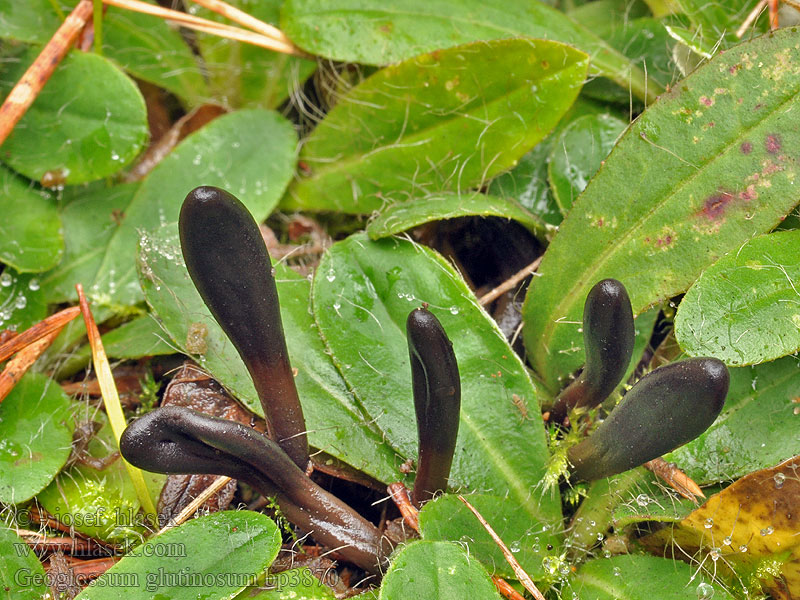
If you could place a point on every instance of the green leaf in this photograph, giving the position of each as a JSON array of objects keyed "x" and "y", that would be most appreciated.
[
  {"x": 745, "y": 308},
  {"x": 30, "y": 231},
  {"x": 448, "y": 519},
  {"x": 87, "y": 123},
  {"x": 578, "y": 153},
  {"x": 22, "y": 576},
  {"x": 756, "y": 429},
  {"x": 36, "y": 433},
  {"x": 250, "y": 153},
  {"x": 494, "y": 101},
  {"x": 687, "y": 183},
  {"x": 636, "y": 577},
  {"x": 29, "y": 21},
  {"x": 334, "y": 421},
  {"x": 294, "y": 584},
  {"x": 149, "y": 49},
  {"x": 362, "y": 294},
  {"x": 246, "y": 76},
  {"x": 220, "y": 554},
  {"x": 436, "y": 571},
  {"x": 405, "y": 215},
  {"x": 376, "y": 33},
  {"x": 99, "y": 503},
  {"x": 21, "y": 302},
  {"x": 90, "y": 216}
]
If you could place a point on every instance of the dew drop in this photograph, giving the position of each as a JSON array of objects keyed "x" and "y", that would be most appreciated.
[
  {"x": 6, "y": 280},
  {"x": 453, "y": 310},
  {"x": 331, "y": 276},
  {"x": 337, "y": 305},
  {"x": 768, "y": 530},
  {"x": 704, "y": 591},
  {"x": 779, "y": 479},
  {"x": 617, "y": 572},
  {"x": 742, "y": 548},
  {"x": 709, "y": 523},
  {"x": 21, "y": 302},
  {"x": 727, "y": 541},
  {"x": 642, "y": 499},
  {"x": 514, "y": 547},
  {"x": 33, "y": 285},
  {"x": 714, "y": 553}
]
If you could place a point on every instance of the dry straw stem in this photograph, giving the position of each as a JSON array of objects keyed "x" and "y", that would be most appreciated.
[
  {"x": 523, "y": 577},
  {"x": 25, "y": 91},
  {"x": 36, "y": 332},
  {"x": 402, "y": 499},
  {"x": 675, "y": 478},
  {"x": 278, "y": 43},
  {"x": 19, "y": 365},
  {"x": 194, "y": 505},
  {"x": 509, "y": 283},
  {"x": 505, "y": 589},
  {"x": 111, "y": 400}
]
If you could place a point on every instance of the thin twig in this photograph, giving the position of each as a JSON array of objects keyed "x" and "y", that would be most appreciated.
[
  {"x": 28, "y": 87},
  {"x": 509, "y": 283},
  {"x": 19, "y": 365},
  {"x": 523, "y": 577},
  {"x": 750, "y": 18},
  {"x": 505, "y": 589},
  {"x": 248, "y": 20},
  {"x": 36, "y": 332},
  {"x": 281, "y": 44},
  {"x": 194, "y": 505},
  {"x": 111, "y": 401},
  {"x": 402, "y": 499}
]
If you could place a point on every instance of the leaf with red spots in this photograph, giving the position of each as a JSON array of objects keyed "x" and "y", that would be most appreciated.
[
  {"x": 705, "y": 168},
  {"x": 745, "y": 309}
]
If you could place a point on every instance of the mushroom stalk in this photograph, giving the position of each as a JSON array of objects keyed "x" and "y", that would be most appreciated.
[
  {"x": 665, "y": 409},
  {"x": 228, "y": 262},
  {"x": 175, "y": 440},
  {"x": 608, "y": 337},
  {"x": 437, "y": 401}
]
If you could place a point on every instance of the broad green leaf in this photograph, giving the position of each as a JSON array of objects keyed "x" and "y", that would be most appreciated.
[
  {"x": 99, "y": 503},
  {"x": 22, "y": 576},
  {"x": 334, "y": 421},
  {"x": 87, "y": 123},
  {"x": 638, "y": 577},
  {"x": 29, "y": 21},
  {"x": 214, "y": 556},
  {"x": 148, "y": 48},
  {"x": 30, "y": 231},
  {"x": 36, "y": 433},
  {"x": 362, "y": 294},
  {"x": 405, "y": 215},
  {"x": 436, "y": 571},
  {"x": 700, "y": 172},
  {"x": 90, "y": 217},
  {"x": 745, "y": 308},
  {"x": 756, "y": 429},
  {"x": 250, "y": 153},
  {"x": 578, "y": 153},
  {"x": 751, "y": 525},
  {"x": 294, "y": 584},
  {"x": 448, "y": 519},
  {"x": 21, "y": 301},
  {"x": 246, "y": 76},
  {"x": 377, "y": 33},
  {"x": 494, "y": 101},
  {"x": 717, "y": 22}
]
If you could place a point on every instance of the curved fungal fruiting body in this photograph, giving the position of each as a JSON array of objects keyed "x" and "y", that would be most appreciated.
[
  {"x": 177, "y": 440},
  {"x": 230, "y": 267},
  {"x": 665, "y": 409},
  {"x": 437, "y": 401},
  {"x": 608, "y": 337}
]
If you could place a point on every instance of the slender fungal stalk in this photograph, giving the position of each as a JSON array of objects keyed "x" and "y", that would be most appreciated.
[
  {"x": 665, "y": 409},
  {"x": 177, "y": 440},
  {"x": 608, "y": 336},
  {"x": 230, "y": 267},
  {"x": 437, "y": 401}
]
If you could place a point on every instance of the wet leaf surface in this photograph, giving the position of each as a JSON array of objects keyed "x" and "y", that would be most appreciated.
[
  {"x": 362, "y": 294},
  {"x": 753, "y": 521},
  {"x": 294, "y": 584},
  {"x": 21, "y": 574},
  {"x": 697, "y": 184},
  {"x": 69, "y": 135},
  {"x": 379, "y": 143},
  {"x": 745, "y": 308}
]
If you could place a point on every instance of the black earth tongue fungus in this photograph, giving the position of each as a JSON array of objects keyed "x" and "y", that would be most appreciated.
[
  {"x": 665, "y": 409},
  {"x": 175, "y": 440},
  {"x": 608, "y": 337},
  {"x": 228, "y": 262},
  {"x": 437, "y": 401}
]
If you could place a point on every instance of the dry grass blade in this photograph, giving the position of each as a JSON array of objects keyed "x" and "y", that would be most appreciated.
[
  {"x": 19, "y": 365},
  {"x": 111, "y": 401},
  {"x": 509, "y": 283},
  {"x": 402, "y": 499},
  {"x": 523, "y": 577},
  {"x": 675, "y": 478},
  {"x": 505, "y": 589},
  {"x": 243, "y": 18},
  {"x": 25, "y": 91},
  {"x": 52, "y": 323},
  {"x": 281, "y": 44},
  {"x": 191, "y": 508}
]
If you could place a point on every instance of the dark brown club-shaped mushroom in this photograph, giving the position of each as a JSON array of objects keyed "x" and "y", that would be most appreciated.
[
  {"x": 437, "y": 401},
  {"x": 230, "y": 267},
  {"x": 665, "y": 409},
  {"x": 608, "y": 336}
]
